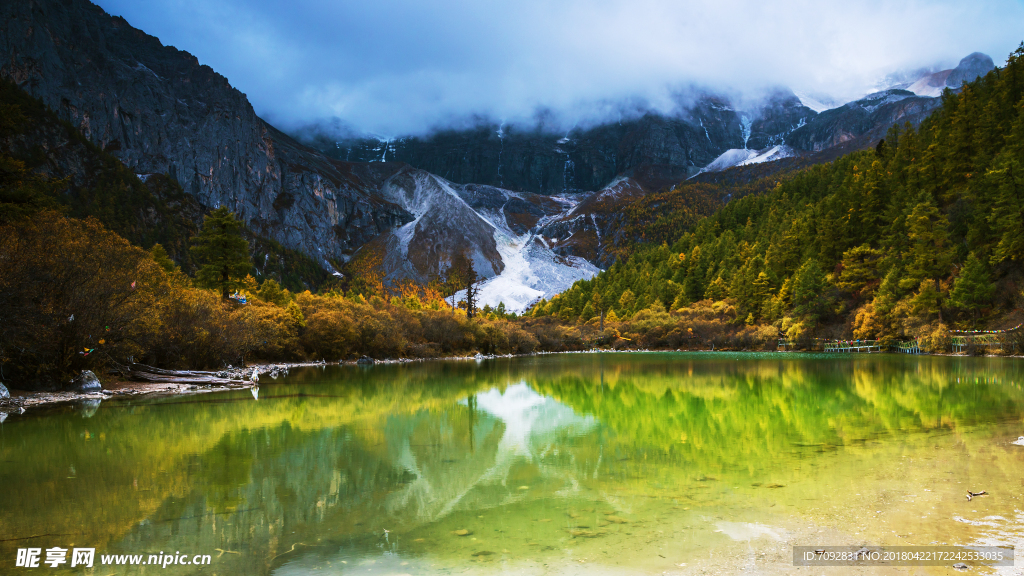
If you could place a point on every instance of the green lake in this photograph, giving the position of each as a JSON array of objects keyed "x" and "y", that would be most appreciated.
[{"x": 647, "y": 463}]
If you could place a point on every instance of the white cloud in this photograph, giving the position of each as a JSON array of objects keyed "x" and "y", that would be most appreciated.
[{"x": 399, "y": 66}]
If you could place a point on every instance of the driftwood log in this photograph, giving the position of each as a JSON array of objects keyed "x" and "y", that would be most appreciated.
[{"x": 144, "y": 373}]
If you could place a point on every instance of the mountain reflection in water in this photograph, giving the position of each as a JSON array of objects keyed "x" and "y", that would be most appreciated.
[{"x": 638, "y": 461}]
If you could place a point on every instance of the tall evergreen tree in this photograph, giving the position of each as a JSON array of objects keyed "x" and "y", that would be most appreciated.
[
  {"x": 808, "y": 289},
  {"x": 162, "y": 258},
  {"x": 471, "y": 279},
  {"x": 973, "y": 288},
  {"x": 222, "y": 252},
  {"x": 930, "y": 256}
]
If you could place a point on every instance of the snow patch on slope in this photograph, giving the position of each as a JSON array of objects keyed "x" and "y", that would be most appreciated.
[
  {"x": 872, "y": 102},
  {"x": 774, "y": 153},
  {"x": 744, "y": 157},
  {"x": 931, "y": 85},
  {"x": 532, "y": 271},
  {"x": 817, "y": 103},
  {"x": 730, "y": 158}
]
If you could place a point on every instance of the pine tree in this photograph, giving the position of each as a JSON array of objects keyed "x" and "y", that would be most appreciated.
[
  {"x": 860, "y": 268},
  {"x": 760, "y": 291},
  {"x": 717, "y": 290},
  {"x": 587, "y": 313},
  {"x": 270, "y": 291},
  {"x": 930, "y": 256},
  {"x": 626, "y": 302},
  {"x": 162, "y": 258},
  {"x": 600, "y": 303},
  {"x": 973, "y": 288},
  {"x": 808, "y": 289},
  {"x": 222, "y": 252},
  {"x": 471, "y": 280}
]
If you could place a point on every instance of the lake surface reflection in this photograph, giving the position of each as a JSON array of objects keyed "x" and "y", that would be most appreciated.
[{"x": 566, "y": 464}]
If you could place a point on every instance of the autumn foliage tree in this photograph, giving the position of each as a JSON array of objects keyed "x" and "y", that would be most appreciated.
[{"x": 72, "y": 292}]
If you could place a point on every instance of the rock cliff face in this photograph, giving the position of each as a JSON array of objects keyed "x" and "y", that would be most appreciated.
[
  {"x": 159, "y": 111},
  {"x": 780, "y": 115}
]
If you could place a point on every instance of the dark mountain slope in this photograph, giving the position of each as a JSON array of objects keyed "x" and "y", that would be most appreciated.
[
  {"x": 543, "y": 162},
  {"x": 160, "y": 112},
  {"x": 95, "y": 183},
  {"x": 148, "y": 210},
  {"x": 873, "y": 113}
]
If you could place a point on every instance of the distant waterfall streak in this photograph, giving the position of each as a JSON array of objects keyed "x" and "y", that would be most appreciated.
[
  {"x": 568, "y": 175},
  {"x": 569, "y": 170},
  {"x": 501, "y": 149}
]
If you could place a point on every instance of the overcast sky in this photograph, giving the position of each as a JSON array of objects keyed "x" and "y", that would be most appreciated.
[{"x": 393, "y": 67}]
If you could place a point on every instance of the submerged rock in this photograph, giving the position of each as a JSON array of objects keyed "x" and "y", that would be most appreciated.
[{"x": 86, "y": 382}]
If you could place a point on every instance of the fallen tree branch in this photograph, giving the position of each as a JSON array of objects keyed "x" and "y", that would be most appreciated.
[{"x": 144, "y": 373}]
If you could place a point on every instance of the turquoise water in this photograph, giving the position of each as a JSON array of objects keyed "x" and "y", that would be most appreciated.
[{"x": 562, "y": 464}]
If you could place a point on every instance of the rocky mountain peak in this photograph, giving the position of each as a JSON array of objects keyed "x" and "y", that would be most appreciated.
[{"x": 972, "y": 66}]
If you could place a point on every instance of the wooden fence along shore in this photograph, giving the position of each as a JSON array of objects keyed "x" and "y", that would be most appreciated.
[
  {"x": 960, "y": 341},
  {"x": 853, "y": 346},
  {"x": 827, "y": 345}
]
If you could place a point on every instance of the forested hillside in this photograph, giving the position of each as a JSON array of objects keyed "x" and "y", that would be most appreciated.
[{"x": 920, "y": 235}]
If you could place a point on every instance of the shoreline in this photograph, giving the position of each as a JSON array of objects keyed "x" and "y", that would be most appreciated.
[{"x": 22, "y": 400}]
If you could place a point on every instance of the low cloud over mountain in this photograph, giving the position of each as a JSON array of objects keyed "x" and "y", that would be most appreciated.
[{"x": 399, "y": 67}]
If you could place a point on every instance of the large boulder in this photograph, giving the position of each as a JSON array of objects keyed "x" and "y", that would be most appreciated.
[
  {"x": 86, "y": 382},
  {"x": 4, "y": 393}
]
